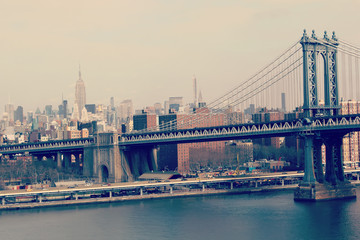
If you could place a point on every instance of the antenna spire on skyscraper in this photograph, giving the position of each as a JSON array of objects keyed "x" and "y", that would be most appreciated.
[
  {"x": 195, "y": 91},
  {"x": 79, "y": 71}
]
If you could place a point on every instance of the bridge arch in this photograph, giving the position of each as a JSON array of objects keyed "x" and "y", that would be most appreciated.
[{"x": 103, "y": 173}]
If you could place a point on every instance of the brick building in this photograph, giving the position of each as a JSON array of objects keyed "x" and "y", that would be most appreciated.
[{"x": 351, "y": 140}]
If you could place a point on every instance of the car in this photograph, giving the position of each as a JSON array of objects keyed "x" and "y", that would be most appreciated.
[{"x": 306, "y": 121}]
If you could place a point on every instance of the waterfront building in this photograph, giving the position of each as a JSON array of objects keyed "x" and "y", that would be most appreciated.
[
  {"x": 144, "y": 120},
  {"x": 211, "y": 119},
  {"x": 168, "y": 154},
  {"x": 233, "y": 118},
  {"x": 179, "y": 155},
  {"x": 350, "y": 147},
  {"x": 263, "y": 116}
]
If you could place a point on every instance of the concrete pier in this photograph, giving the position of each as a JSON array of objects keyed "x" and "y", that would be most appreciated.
[{"x": 326, "y": 191}]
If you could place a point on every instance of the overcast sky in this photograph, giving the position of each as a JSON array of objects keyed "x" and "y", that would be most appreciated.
[{"x": 149, "y": 50}]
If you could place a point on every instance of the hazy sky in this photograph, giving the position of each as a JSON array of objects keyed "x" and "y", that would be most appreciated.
[{"x": 149, "y": 50}]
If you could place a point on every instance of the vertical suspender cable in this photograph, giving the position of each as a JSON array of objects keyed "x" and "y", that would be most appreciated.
[
  {"x": 350, "y": 82},
  {"x": 343, "y": 70},
  {"x": 356, "y": 87}
]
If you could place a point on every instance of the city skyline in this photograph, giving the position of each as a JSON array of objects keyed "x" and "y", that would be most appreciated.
[{"x": 132, "y": 50}]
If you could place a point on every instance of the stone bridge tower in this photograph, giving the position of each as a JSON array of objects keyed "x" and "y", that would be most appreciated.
[
  {"x": 106, "y": 161},
  {"x": 316, "y": 185}
]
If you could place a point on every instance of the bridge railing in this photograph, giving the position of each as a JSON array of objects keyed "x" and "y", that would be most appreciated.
[
  {"x": 345, "y": 122},
  {"x": 47, "y": 145}
]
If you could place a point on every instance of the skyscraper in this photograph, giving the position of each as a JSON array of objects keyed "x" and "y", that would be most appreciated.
[
  {"x": 19, "y": 114},
  {"x": 64, "y": 109},
  {"x": 283, "y": 103},
  {"x": 125, "y": 110},
  {"x": 9, "y": 108},
  {"x": 112, "y": 103},
  {"x": 195, "y": 91},
  {"x": 80, "y": 95}
]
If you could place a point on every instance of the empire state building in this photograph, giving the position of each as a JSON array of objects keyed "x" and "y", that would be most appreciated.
[{"x": 80, "y": 95}]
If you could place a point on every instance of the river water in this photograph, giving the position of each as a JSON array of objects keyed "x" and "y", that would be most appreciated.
[{"x": 272, "y": 215}]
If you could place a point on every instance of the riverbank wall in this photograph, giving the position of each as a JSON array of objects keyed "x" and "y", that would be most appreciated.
[{"x": 175, "y": 194}]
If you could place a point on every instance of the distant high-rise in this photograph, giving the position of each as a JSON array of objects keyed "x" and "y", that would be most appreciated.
[
  {"x": 125, "y": 110},
  {"x": 80, "y": 95},
  {"x": 48, "y": 110},
  {"x": 90, "y": 108},
  {"x": 65, "y": 108},
  {"x": 175, "y": 103},
  {"x": 283, "y": 103},
  {"x": 19, "y": 114},
  {"x": 112, "y": 103},
  {"x": 201, "y": 103},
  {"x": 9, "y": 109},
  {"x": 195, "y": 91}
]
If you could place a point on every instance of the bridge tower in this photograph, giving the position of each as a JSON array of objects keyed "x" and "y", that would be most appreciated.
[
  {"x": 316, "y": 185},
  {"x": 327, "y": 49}
]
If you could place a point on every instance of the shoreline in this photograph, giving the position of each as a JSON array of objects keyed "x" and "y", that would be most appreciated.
[{"x": 104, "y": 200}]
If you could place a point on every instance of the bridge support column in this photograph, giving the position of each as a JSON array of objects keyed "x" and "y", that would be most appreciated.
[
  {"x": 334, "y": 185},
  {"x": 67, "y": 160},
  {"x": 338, "y": 159},
  {"x": 203, "y": 188},
  {"x": 171, "y": 189},
  {"x": 76, "y": 196},
  {"x": 282, "y": 182},
  {"x": 88, "y": 161},
  {"x": 153, "y": 164},
  {"x": 141, "y": 191},
  {"x": 330, "y": 175},
  {"x": 39, "y": 198},
  {"x": 256, "y": 184},
  {"x": 78, "y": 164},
  {"x": 125, "y": 160},
  {"x": 231, "y": 185},
  {"x": 357, "y": 177},
  {"x": 317, "y": 153},
  {"x": 139, "y": 160},
  {"x": 110, "y": 194},
  {"x": 58, "y": 159},
  {"x": 309, "y": 175},
  {"x": 3, "y": 201}
]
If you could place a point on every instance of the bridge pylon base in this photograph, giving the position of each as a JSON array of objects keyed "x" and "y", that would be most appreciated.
[{"x": 324, "y": 191}]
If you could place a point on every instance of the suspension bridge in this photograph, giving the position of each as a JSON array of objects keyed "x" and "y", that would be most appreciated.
[{"x": 318, "y": 74}]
